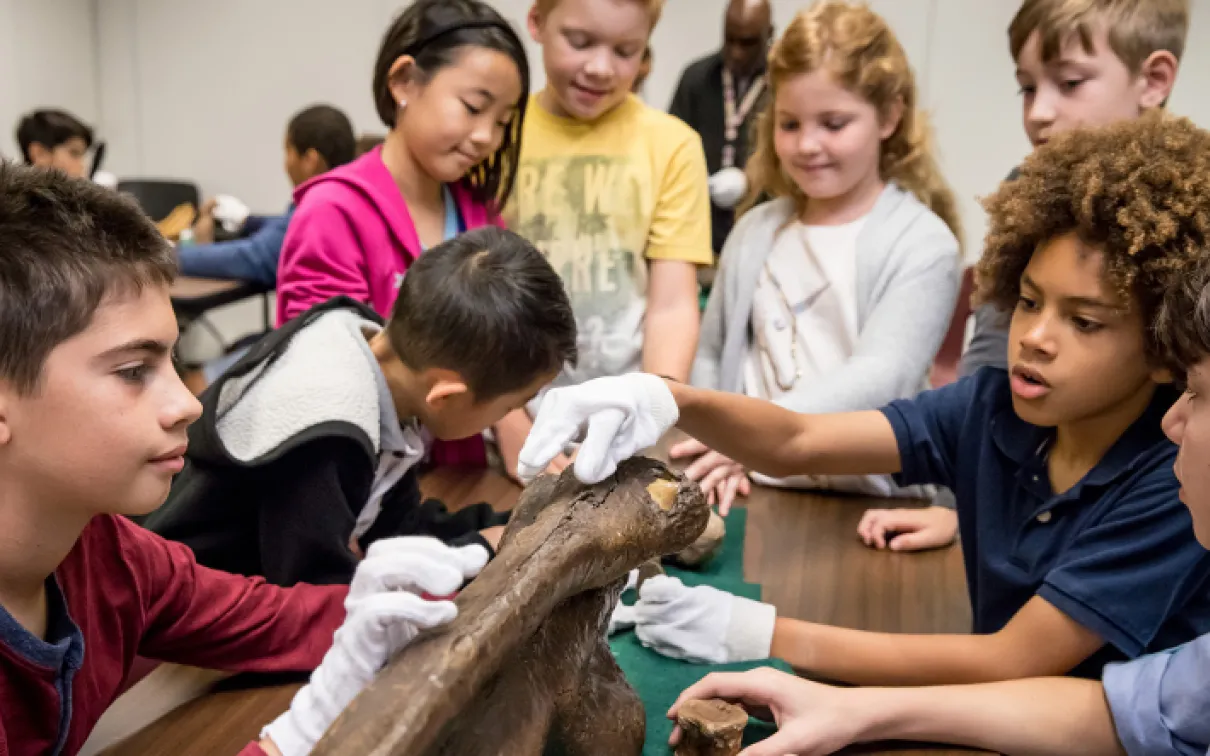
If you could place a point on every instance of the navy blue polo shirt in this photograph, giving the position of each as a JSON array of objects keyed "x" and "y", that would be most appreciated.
[{"x": 1116, "y": 552}]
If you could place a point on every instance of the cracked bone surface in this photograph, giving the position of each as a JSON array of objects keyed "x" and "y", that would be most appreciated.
[{"x": 526, "y": 666}]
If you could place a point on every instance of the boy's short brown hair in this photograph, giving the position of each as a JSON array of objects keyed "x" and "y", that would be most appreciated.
[
  {"x": 654, "y": 8},
  {"x": 488, "y": 306},
  {"x": 1137, "y": 28},
  {"x": 1137, "y": 191},
  {"x": 64, "y": 245}
]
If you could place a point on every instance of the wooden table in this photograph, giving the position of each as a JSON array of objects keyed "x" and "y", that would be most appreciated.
[
  {"x": 801, "y": 548},
  {"x": 191, "y": 297}
]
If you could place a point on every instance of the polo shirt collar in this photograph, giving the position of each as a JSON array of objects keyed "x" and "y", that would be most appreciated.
[{"x": 1023, "y": 443}]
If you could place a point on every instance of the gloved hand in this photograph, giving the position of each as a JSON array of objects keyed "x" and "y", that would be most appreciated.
[
  {"x": 728, "y": 187},
  {"x": 622, "y": 617},
  {"x": 702, "y": 624},
  {"x": 230, "y": 212},
  {"x": 385, "y": 612},
  {"x": 623, "y": 414}
]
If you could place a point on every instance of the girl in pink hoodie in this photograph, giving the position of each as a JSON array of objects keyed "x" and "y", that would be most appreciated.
[{"x": 451, "y": 83}]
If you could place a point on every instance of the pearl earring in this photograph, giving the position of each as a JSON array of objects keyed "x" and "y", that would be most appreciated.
[{"x": 403, "y": 103}]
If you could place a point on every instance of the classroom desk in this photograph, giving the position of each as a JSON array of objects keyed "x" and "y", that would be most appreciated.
[
  {"x": 801, "y": 547},
  {"x": 192, "y": 297}
]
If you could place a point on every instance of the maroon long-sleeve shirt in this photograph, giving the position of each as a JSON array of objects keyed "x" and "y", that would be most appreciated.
[{"x": 122, "y": 592}]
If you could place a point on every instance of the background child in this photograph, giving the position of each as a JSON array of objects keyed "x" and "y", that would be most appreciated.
[
  {"x": 55, "y": 139},
  {"x": 1083, "y": 64},
  {"x": 1155, "y": 705},
  {"x": 92, "y": 429},
  {"x": 846, "y": 281},
  {"x": 614, "y": 193},
  {"x": 451, "y": 83},
  {"x": 1077, "y": 549},
  {"x": 1078, "y": 64},
  {"x": 305, "y": 452},
  {"x": 318, "y": 139}
]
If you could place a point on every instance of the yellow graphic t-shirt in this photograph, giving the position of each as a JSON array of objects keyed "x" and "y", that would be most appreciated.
[{"x": 601, "y": 198}]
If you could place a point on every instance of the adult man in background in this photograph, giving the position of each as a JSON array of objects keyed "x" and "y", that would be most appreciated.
[{"x": 719, "y": 96}]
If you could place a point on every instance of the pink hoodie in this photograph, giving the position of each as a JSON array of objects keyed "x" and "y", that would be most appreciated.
[{"x": 351, "y": 234}]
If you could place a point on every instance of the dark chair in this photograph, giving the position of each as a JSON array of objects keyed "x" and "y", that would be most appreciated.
[
  {"x": 945, "y": 366},
  {"x": 159, "y": 197}
]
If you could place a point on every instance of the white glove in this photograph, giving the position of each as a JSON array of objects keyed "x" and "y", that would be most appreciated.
[
  {"x": 385, "y": 612},
  {"x": 702, "y": 624},
  {"x": 728, "y": 187},
  {"x": 623, "y": 414},
  {"x": 105, "y": 179},
  {"x": 230, "y": 212},
  {"x": 622, "y": 617}
]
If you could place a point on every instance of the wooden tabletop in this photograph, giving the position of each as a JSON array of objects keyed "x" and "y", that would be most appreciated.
[
  {"x": 801, "y": 548},
  {"x": 192, "y": 297},
  {"x": 187, "y": 287}
]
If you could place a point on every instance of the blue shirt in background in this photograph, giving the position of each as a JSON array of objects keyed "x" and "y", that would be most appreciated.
[
  {"x": 1116, "y": 552},
  {"x": 251, "y": 258},
  {"x": 1161, "y": 702}
]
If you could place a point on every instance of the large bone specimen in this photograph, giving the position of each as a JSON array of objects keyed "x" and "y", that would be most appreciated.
[
  {"x": 702, "y": 550},
  {"x": 525, "y": 668}
]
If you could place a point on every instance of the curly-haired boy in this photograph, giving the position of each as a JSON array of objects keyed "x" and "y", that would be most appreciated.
[
  {"x": 1156, "y": 704},
  {"x": 1078, "y": 551}
]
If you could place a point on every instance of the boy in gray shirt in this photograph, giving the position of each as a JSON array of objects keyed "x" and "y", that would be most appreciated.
[{"x": 1067, "y": 82}]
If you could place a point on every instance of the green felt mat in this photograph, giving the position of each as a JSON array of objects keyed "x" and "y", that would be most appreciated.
[{"x": 658, "y": 679}]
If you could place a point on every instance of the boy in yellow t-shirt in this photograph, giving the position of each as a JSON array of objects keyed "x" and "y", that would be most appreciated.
[{"x": 614, "y": 193}]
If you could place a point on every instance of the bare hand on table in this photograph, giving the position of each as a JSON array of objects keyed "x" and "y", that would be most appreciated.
[
  {"x": 203, "y": 227},
  {"x": 909, "y": 529},
  {"x": 811, "y": 718},
  {"x": 720, "y": 477}
]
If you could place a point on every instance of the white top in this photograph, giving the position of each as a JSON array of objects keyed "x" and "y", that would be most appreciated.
[
  {"x": 804, "y": 325},
  {"x": 804, "y": 312}
]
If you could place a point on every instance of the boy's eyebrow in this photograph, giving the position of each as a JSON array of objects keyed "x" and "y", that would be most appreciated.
[
  {"x": 1099, "y": 304},
  {"x": 152, "y": 346},
  {"x": 570, "y": 28}
]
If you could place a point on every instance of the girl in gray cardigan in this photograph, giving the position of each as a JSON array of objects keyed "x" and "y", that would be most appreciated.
[{"x": 835, "y": 295}]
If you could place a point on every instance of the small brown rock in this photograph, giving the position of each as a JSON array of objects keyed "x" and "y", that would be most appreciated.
[{"x": 710, "y": 728}]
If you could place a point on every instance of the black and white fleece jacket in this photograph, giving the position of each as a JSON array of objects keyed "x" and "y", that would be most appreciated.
[{"x": 298, "y": 451}]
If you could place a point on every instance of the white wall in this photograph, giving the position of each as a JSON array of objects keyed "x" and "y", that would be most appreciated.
[{"x": 47, "y": 52}]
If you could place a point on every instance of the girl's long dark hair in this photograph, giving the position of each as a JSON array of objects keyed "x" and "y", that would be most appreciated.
[{"x": 432, "y": 32}]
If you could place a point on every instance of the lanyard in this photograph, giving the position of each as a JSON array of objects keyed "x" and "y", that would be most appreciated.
[{"x": 733, "y": 118}]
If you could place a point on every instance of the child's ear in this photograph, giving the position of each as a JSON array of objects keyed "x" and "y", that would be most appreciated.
[
  {"x": 533, "y": 20},
  {"x": 443, "y": 386},
  {"x": 315, "y": 162},
  {"x": 40, "y": 154},
  {"x": 400, "y": 77},
  {"x": 1157, "y": 77},
  {"x": 6, "y": 432},
  {"x": 891, "y": 119}
]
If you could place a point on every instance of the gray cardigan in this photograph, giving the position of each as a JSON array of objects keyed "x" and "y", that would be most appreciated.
[{"x": 908, "y": 274}]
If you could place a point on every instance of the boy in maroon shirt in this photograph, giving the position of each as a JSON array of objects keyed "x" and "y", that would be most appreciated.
[{"x": 92, "y": 429}]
